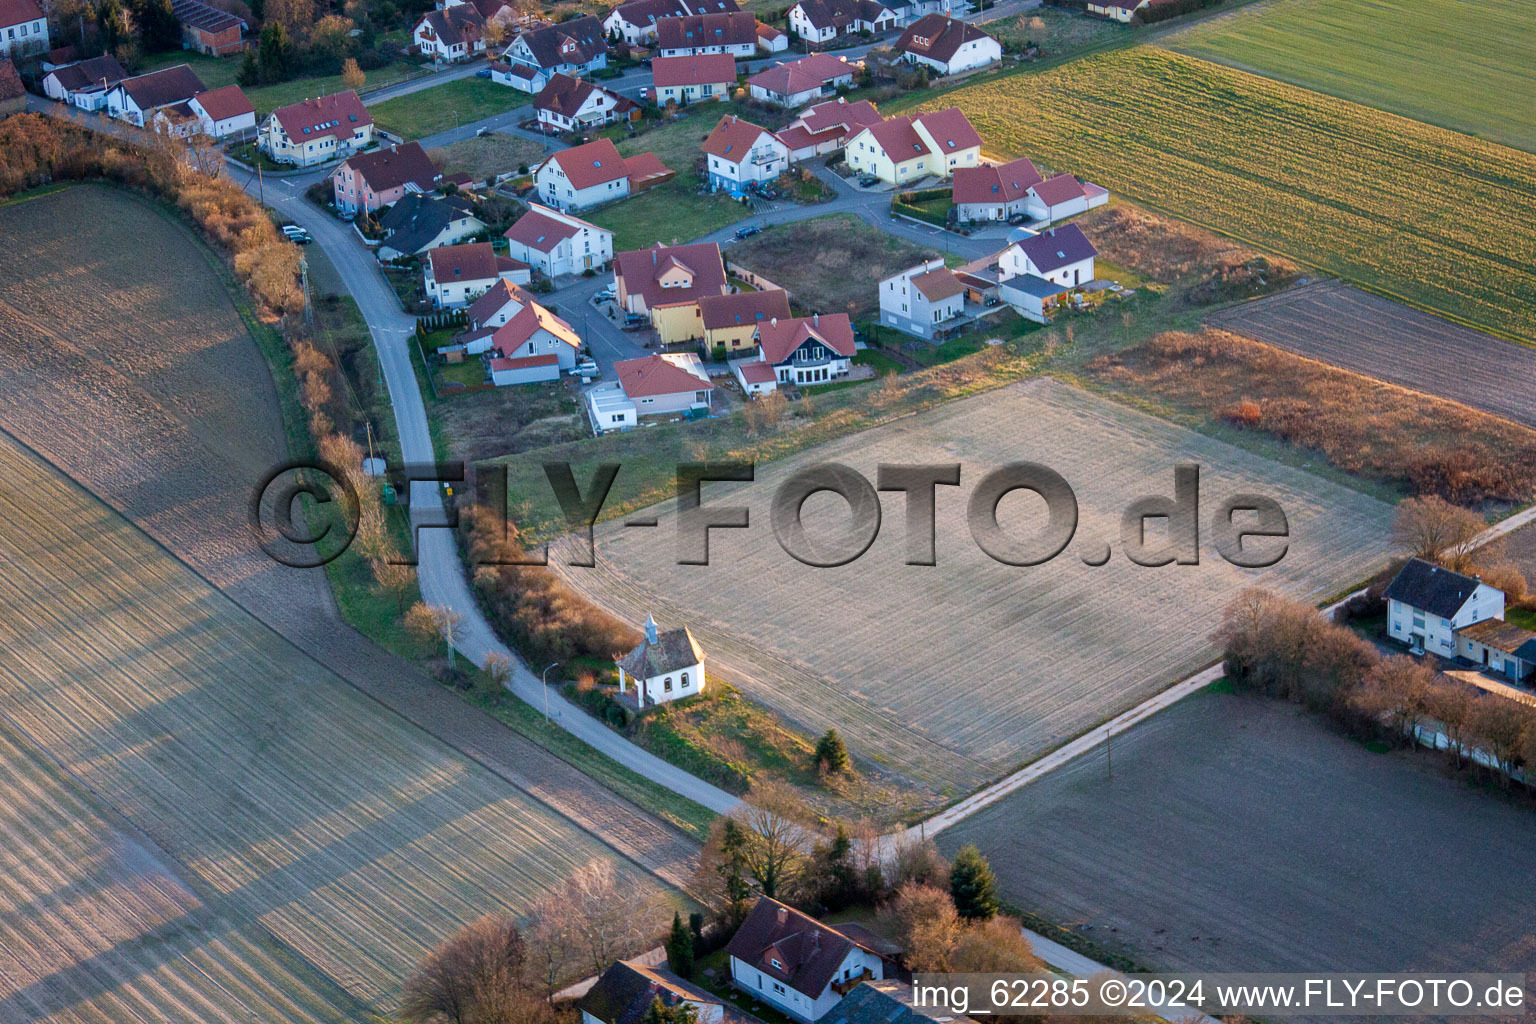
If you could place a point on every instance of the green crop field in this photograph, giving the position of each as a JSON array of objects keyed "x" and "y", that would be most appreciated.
[
  {"x": 1462, "y": 64},
  {"x": 1431, "y": 216},
  {"x": 306, "y": 840}
]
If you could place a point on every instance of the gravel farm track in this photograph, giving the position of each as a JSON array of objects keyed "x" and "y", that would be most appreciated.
[
  {"x": 1335, "y": 323},
  {"x": 1240, "y": 833},
  {"x": 136, "y": 377},
  {"x": 951, "y": 676}
]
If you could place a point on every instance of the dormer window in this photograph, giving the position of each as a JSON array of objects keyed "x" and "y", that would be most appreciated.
[{"x": 776, "y": 964}]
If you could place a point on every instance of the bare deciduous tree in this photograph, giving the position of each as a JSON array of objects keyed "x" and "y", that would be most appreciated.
[
  {"x": 605, "y": 917},
  {"x": 475, "y": 977},
  {"x": 777, "y": 842},
  {"x": 925, "y": 924},
  {"x": 1398, "y": 689},
  {"x": 1433, "y": 529}
]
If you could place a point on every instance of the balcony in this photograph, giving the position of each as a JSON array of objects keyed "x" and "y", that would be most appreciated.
[{"x": 842, "y": 988}]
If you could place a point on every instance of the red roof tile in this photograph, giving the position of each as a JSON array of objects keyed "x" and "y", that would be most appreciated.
[
  {"x": 779, "y": 339},
  {"x": 224, "y": 103},
  {"x": 338, "y": 115},
  {"x": 801, "y": 75},
  {"x": 593, "y": 163},
  {"x": 641, "y": 268},
  {"x": 525, "y": 362},
  {"x": 540, "y": 231},
  {"x": 702, "y": 69},
  {"x": 725, "y": 311},
  {"x": 14, "y": 12},
  {"x": 472, "y": 261},
  {"x": 1063, "y": 188},
  {"x": 938, "y": 36},
  {"x": 655, "y": 375},
  {"x": 700, "y": 30},
  {"x": 733, "y": 138},
  {"x": 1002, "y": 184}
]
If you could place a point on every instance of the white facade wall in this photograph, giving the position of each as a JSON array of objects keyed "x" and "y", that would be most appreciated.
[
  {"x": 749, "y": 979},
  {"x": 1013, "y": 262},
  {"x": 556, "y": 190},
  {"x": 767, "y": 159},
  {"x": 1439, "y": 634},
  {"x": 688, "y": 682},
  {"x": 25, "y": 37}
]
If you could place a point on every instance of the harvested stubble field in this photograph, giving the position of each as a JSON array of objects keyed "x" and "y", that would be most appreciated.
[
  {"x": 1404, "y": 438},
  {"x": 1368, "y": 334},
  {"x": 1462, "y": 64},
  {"x": 1243, "y": 834},
  {"x": 952, "y": 675},
  {"x": 292, "y": 806},
  {"x": 1441, "y": 219},
  {"x": 828, "y": 264}
]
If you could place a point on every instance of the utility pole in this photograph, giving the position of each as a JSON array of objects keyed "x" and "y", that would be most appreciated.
[{"x": 1109, "y": 752}]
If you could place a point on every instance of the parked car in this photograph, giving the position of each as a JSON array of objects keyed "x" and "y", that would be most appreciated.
[
  {"x": 748, "y": 231},
  {"x": 586, "y": 368},
  {"x": 481, "y": 133},
  {"x": 608, "y": 292},
  {"x": 645, "y": 92},
  {"x": 636, "y": 322},
  {"x": 296, "y": 234},
  {"x": 1017, "y": 218},
  {"x": 483, "y": 73},
  {"x": 866, "y": 180}
]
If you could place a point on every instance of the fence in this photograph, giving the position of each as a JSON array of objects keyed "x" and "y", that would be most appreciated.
[{"x": 753, "y": 278}]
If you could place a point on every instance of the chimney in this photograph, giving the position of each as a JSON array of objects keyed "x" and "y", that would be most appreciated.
[
  {"x": 815, "y": 319},
  {"x": 773, "y": 321},
  {"x": 653, "y": 257},
  {"x": 783, "y": 915}
]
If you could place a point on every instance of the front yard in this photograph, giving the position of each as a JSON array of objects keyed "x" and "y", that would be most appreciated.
[
  {"x": 484, "y": 157},
  {"x": 673, "y": 212}
]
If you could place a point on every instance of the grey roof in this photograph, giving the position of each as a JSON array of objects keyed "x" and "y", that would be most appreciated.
[
  {"x": 882, "y": 1002},
  {"x": 1428, "y": 587},
  {"x": 1039, "y": 287},
  {"x": 673, "y": 651},
  {"x": 1058, "y": 247},
  {"x": 196, "y": 14},
  {"x": 104, "y": 71},
  {"x": 418, "y": 218},
  {"x": 623, "y": 992},
  {"x": 586, "y": 32}
]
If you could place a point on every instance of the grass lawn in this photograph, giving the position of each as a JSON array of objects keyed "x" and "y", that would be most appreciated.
[
  {"x": 248, "y": 153},
  {"x": 829, "y": 264},
  {"x": 884, "y": 365},
  {"x": 486, "y": 156},
  {"x": 668, "y": 213},
  {"x": 438, "y": 109},
  {"x": 1525, "y": 618},
  {"x": 1460, "y": 64},
  {"x": 713, "y": 973},
  {"x": 470, "y": 373},
  {"x": 221, "y": 71},
  {"x": 1438, "y": 219}
]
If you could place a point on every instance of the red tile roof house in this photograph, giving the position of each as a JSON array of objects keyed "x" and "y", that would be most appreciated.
[
  {"x": 755, "y": 377},
  {"x": 995, "y": 192},
  {"x": 317, "y": 130},
  {"x": 635, "y": 21},
  {"x": 568, "y": 104},
  {"x": 207, "y": 29},
  {"x": 456, "y": 275},
  {"x": 1062, "y": 196},
  {"x": 822, "y": 21},
  {"x": 593, "y": 173},
  {"x": 801, "y": 81},
  {"x": 797, "y": 964},
  {"x": 23, "y": 28},
  {"x": 555, "y": 243},
  {"x": 224, "y": 112},
  {"x": 666, "y": 283},
  {"x": 450, "y": 35},
  {"x": 921, "y": 299},
  {"x": 731, "y": 321},
  {"x": 697, "y": 34},
  {"x": 136, "y": 99},
  {"x": 739, "y": 153},
  {"x": 85, "y": 83},
  {"x": 947, "y": 45},
  {"x": 684, "y": 80},
  {"x": 826, "y": 127},
  {"x": 661, "y": 384},
  {"x": 534, "y": 333},
  {"x": 369, "y": 182},
  {"x": 903, "y": 150},
  {"x": 808, "y": 349}
]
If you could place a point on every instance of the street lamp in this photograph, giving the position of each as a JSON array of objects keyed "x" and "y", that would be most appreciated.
[
  {"x": 455, "y": 114},
  {"x": 545, "y": 677}
]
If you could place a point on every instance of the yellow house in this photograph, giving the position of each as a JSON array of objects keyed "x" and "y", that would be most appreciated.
[
  {"x": 686, "y": 80},
  {"x": 666, "y": 283},
  {"x": 730, "y": 321},
  {"x": 903, "y": 150}
]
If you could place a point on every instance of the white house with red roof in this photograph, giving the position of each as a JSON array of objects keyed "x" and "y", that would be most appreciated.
[
  {"x": 23, "y": 28},
  {"x": 223, "y": 112},
  {"x": 555, "y": 243},
  {"x": 798, "y": 965},
  {"x": 539, "y": 343},
  {"x": 693, "y": 35},
  {"x": 739, "y": 153},
  {"x": 371, "y": 181},
  {"x": 756, "y": 377},
  {"x": 457, "y": 275},
  {"x": 1117, "y": 10},
  {"x": 826, "y": 127},
  {"x": 806, "y": 350},
  {"x": 947, "y": 45},
  {"x": 594, "y": 173},
  {"x": 569, "y": 104},
  {"x": 920, "y": 300},
  {"x": 685, "y": 80},
  {"x": 1062, "y": 196},
  {"x": 317, "y": 130},
  {"x": 904, "y": 150},
  {"x": 798, "y": 82},
  {"x": 994, "y": 192},
  {"x": 664, "y": 384},
  {"x": 137, "y": 99}
]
